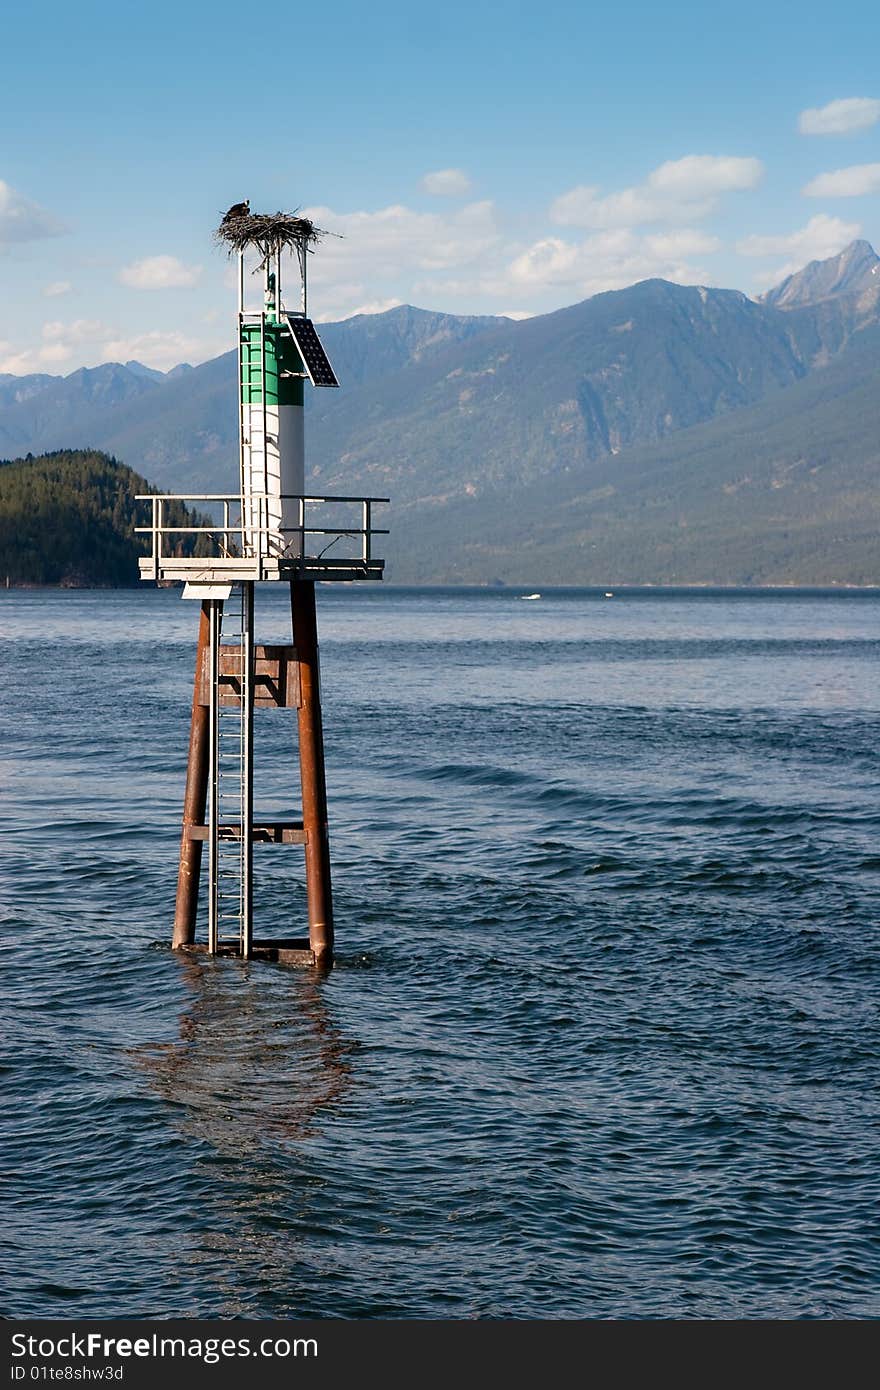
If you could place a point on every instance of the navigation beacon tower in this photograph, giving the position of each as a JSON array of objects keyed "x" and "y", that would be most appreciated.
[{"x": 271, "y": 529}]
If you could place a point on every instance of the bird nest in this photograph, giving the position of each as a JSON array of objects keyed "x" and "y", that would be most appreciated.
[{"x": 267, "y": 231}]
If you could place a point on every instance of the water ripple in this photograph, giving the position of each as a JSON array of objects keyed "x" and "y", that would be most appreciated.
[{"x": 602, "y": 1037}]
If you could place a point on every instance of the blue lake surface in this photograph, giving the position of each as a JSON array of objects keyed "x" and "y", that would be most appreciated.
[{"x": 602, "y": 1039}]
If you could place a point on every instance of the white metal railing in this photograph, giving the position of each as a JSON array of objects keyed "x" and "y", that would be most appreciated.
[{"x": 240, "y": 533}]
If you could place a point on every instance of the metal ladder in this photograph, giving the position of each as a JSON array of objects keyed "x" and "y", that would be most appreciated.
[
  {"x": 253, "y": 441},
  {"x": 230, "y": 803}
]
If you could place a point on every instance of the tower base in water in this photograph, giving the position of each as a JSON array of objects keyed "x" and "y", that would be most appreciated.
[{"x": 232, "y": 679}]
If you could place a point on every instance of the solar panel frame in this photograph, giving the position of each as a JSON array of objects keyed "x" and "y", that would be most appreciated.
[{"x": 311, "y": 350}]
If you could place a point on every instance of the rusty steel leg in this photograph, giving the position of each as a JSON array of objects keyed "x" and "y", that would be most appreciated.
[
  {"x": 311, "y": 763},
  {"x": 193, "y": 803}
]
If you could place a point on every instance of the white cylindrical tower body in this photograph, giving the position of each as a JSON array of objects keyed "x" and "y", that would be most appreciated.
[{"x": 273, "y": 437}]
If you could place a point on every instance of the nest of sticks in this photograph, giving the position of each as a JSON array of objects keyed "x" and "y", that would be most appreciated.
[{"x": 267, "y": 231}]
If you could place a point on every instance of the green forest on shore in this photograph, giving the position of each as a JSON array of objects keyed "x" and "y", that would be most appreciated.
[{"x": 68, "y": 518}]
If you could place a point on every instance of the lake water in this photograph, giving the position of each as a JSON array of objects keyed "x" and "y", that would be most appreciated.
[{"x": 602, "y": 1039}]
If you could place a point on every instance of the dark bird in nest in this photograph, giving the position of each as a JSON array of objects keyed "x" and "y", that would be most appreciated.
[{"x": 239, "y": 210}]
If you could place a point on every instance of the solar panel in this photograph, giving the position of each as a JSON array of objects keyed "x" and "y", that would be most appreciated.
[{"x": 315, "y": 359}]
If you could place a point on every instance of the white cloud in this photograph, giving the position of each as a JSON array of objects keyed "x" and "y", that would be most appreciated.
[
  {"x": 840, "y": 117},
  {"x": 376, "y": 254},
  {"x": 373, "y": 306},
  {"x": 158, "y": 349},
  {"x": 57, "y": 288},
  {"x": 698, "y": 174},
  {"x": 853, "y": 182},
  {"x": 446, "y": 183},
  {"x": 332, "y": 301},
  {"x": 33, "y": 359},
  {"x": 57, "y": 346},
  {"x": 54, "y": 352},
  {"x": 79, "y": 331},
  {"x": 397, "y": 238},
  {"x": 21, "y": 220},
  {"x": 60, "y": 342},
  {"x": 159, "y": 273},
  {"x": 87, "y": 342},
  {"x": 823, "y": 236},
  {"x": 547, "y": 261},
  {"x": 608, "y": 260},
  {"x": 584, "y": 207},
  {"x": 673, "y": 245},
  {"x": 681, "y": 190}
]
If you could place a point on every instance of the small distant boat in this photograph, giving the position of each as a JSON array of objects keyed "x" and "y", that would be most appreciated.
[
  {"x": 529, "y": 597},
  {"x": 609, "y": 593}
]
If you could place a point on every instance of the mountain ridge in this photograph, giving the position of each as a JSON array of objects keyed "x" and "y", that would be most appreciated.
[
  {"x": 465, "y": 421},
  {"x": 783, "y": 492},
  {"x": 618, "y": 369}
]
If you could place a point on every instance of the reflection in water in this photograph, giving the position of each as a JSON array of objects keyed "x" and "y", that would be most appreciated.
[
  {"x": 258, "y": 1058},
  {"x": 257, "y": 1065}
]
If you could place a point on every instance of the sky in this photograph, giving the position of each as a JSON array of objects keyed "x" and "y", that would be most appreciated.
[{"x": 470, "y": 158}]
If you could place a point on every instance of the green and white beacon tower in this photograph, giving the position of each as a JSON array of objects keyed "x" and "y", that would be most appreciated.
[
  {"x": 272, "y": 529},
  {"x": 278, "y": 352}
]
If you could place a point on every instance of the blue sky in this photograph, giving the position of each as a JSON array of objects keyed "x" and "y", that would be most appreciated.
[{"x": 475, "y": 158}]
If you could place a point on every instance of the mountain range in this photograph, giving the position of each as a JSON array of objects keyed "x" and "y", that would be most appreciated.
[{"x": 659, "y": 433}]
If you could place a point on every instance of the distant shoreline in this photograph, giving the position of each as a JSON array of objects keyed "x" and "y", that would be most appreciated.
[{"x": 612, "y": 587}]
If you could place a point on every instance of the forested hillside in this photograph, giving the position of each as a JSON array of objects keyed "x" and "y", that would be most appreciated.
[{"x": 68, "y": 518}]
